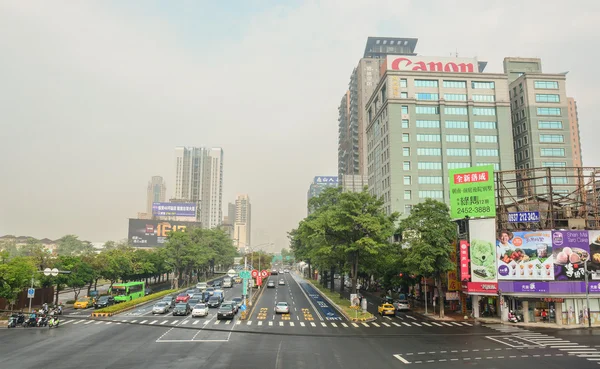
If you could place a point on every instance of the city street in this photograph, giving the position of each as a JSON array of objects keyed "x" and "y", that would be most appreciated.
[{"x": 304, "y": 339}]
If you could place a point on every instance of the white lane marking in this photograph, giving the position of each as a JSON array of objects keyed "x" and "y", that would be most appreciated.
[
  {"x": 438, "y": 324},
  {"x": 88, "y": 322},
  {"x": 164, "y": 322},
  {"x": 375, "y": 324},
  {"x": 387, "y": 325},
  {"x": 365, "y": 324},
  {"x": 281, "y": 324},
  {"x": 133, "y": 321},
  {"x": 196, "y": 322},
  {"x": 270, "y": 323},
  {"x": 175, "y": 322},
  {"x": 99, "y": 322},
  {"x": 107, "y": 323},
  {"x": 143, "y": 321},
  {"x": 313, "y": 324},
  {"x": 427, "y": 324},
  {"x": 412, "y": 317},
  {"x": 206, "y": 322},
  {"x": 249, "y": 322},
  {"x": 333, "y": 324},
  {"x": 406, "y": 324},
  {"x": 302, "y": 324},
  {"x": 578, "y": 349},
  {"x": 291, "y": 324},
  {"x": 387, "y": 317},
  {"x": 217, "y": 322},
  {"x": 152, "y": 322},
  {"x": 417, "y": 324},
  {"x": 355, "y": 325},
  {"x": 259, "y": 322},
  {"x": 185, "y": 322},
  {"x": 323, "y": 324},
  {"x": 345, "y": 325},
  {"x": 402, "y": 359},
  {"x": 396, "y": 324}
]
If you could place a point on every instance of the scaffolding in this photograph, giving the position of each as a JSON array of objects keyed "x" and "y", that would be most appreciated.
[{"x": 565, "y": 197}]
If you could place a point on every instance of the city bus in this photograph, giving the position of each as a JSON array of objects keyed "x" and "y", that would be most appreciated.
[{"x": 127, "y": 291}]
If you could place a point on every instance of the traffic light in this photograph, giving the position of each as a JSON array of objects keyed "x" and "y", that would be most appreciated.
[{"x": 401, "y": 275}]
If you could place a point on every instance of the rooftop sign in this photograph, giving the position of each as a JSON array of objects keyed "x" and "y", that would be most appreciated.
[{"x": 432, "y": 64}]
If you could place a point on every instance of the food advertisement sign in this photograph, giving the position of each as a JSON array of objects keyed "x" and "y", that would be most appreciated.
[
  {"x": 483, "y": 253},
  {"x": 525, "y": 256},
  {"x": 472, "y": 192},
  {"x": 570, "y": 250},
  {"x": 593, "y": 264}
]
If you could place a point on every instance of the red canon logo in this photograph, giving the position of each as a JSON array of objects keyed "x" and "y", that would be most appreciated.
[{"x": 403, "y": 63}]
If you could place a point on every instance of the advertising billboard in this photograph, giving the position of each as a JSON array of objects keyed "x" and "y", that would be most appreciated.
[
  {"x": 175, "y": 209},
  {"x": 570, "y": 250},
  {"x": 472, "y": 192},
  {"x": 482, "y": 234},
  {"x": 332, "y": 180},
  {"x": 147, "y": 233},
  {"x": 432, "y": 64},
  {"x": 525, "y": 256}
]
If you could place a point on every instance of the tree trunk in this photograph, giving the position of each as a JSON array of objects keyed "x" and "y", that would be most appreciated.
[
  {"x": 332, "y": 273},
  {"x": 96, "y": 284},
  {"x": 355, "y": 272},
  {"x": 309, "y": 270},
  {"x": 440, "y": 296},
  {"x": 56, "y": 298}
]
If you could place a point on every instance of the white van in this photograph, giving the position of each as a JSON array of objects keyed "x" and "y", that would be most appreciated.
[
  {"x": 201, "y": 286},
  {"x": 227, "y": 283}
]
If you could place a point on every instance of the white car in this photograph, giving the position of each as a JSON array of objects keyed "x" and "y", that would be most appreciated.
[
  {"x": 200, "y": 310},
  {"x": 401, "y": 305},
  {"x": 282, "y": 308},
  {"x": 201, "y": 286}
]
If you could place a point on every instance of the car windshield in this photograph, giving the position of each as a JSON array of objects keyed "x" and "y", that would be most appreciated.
[
  {"x": 160, "y": 305},
  {"x": 103, "y": 298},
  {"x": 181, "y": 306},
  {"x": 210, "y": 289},
  {"x": 200, "y": 306},
  {"x": 214, "y": 298},
  {"x": 226, "y": 306},
  {"x": 182, "y": 295},
  {"x": 237, "y": 299},
  {"x": 282, "y": 304},
  {"x": 82, "y": 299}
]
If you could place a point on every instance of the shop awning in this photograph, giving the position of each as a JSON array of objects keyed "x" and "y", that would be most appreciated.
[{"x": 541, "y": 296}]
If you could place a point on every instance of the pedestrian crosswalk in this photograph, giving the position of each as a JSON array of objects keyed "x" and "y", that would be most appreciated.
[
  {"x": 524, "y": 336},
  {"x": 200, "y": 323}
]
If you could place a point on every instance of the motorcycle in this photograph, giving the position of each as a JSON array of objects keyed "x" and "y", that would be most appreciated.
[
  {"x": 53, "y": 322},
  {"x": 42, "y": 321},
  {"x": 15, "y": 320},
  {"x": 31, "y": 322}
]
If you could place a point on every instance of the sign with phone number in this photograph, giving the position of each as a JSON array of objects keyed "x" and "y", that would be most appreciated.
[
  {"x": 472, "y": 192},
  {"x": 524, "y": 217}
]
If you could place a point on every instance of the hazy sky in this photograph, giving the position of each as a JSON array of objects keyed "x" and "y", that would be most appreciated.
[{"x": 95, "y": 95}]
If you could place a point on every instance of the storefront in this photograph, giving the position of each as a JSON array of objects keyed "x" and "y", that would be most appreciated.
[{"x": 484, "y": 298}]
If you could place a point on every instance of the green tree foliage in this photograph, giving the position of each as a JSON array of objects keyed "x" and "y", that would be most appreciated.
[
  {"x": 71, "y": 245},
  {"x": 428, "y": 233},
  {"x": 15, "y": 275},
  {"x": 344, "y": 228}
]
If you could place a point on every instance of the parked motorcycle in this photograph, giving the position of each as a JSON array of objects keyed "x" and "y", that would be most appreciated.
[{"x": 15, "y": 320}]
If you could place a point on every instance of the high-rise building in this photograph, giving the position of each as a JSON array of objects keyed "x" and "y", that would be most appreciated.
[
  {"x": 428, "y": 115},
  {"x": 354, "y": 182},
  {"x": 575, "y": 135},
  {"x": 199, "y": 179},
  {"x": 320, "y": 183},
  {"x": 242, "y": 224},
  {"x": 352, "y": 140},
  {"x": 157, "y": 192},
  {"x": 545, "y": 133}
]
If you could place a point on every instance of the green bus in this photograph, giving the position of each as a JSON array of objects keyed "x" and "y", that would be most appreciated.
[{"x": 127, "y": 291}]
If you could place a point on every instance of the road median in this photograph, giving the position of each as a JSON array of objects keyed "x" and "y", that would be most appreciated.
[
  {"x": 343, "y": 306},
  {"x": 129, "y": 305}
]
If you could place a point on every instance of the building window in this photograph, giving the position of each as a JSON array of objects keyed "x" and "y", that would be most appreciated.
[
  {"x": 427, "y": 109},
  {"x": 427, "y": 96},
  {"x": 455, "y": 97},
  {"x": 486, "y": 152},
  {"x": 549, "y": 124},
  {"x": 407, "y": 180},
  {"x": 485, "y": 125},
  {"x": 549, "y": 98},
  {"x": 552, "y": 138},
  {"x": 458, "y": 165},
  {"x": 549, "y": 85},
  {"x": 431, "y": 194},
  {"x": 405, "y": 137},
  {"x": 484, "y": 111},
  {"x": 496, "y": 165},
  {"x": 525, "y": 140},
  {"x": 458, "y": 152},
  {"x": 553, "y": 152},
  {"x": 457, "y": 138},
  {"x": 403, "y": 82},
  {"x": 428, "y": 138},
  {"x": 407, "y": 194},
  {"x": 407, "y": 209},
  {"x": 554, "y": 164},
  {"x": 557, "y": 180},
  {"x": 425, "y": 165},
  {"x": 428, "y": 123},
  {"x": 455, "y": 110},
  {"x": 426, "y": 83},
  {"x": 484, "y": 98},
  {"x": 406, "y": 165},
  {"x": 455, "y": 84},
  {"x": 406, "y": 151},
  {"x": 487, "y": 139},
  {"x": 404, "y": 109},
  {"x": 481, "y": 85},
  {"x": 404, "y": 95},
  {"x": 430, "y": 180},
  {"x": 404, "y": 123},
  {"x": 429, "y": 151},
  {"x": 548, "y": 111},
  {"x": 457, "y": 124}
]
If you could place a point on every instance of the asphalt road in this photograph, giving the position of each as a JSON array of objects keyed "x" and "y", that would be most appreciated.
[{"x": 137, "y": 339}]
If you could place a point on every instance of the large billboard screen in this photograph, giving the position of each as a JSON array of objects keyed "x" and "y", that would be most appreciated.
[
  {"x": 147, "y": 233},
  {"x": 525, "y": 256},
  {"x": 571, "y": 249},
  {"x": 176, "y": 209},
  {"x": 472, "y": 192}
]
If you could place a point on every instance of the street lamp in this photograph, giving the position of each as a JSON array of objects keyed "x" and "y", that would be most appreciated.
[{"x": 47, "y": 272}]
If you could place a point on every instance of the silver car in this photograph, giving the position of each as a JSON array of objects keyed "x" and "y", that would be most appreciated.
[
  {"x": 282, "y": 308},
  {"x": 161, "y": 308}
]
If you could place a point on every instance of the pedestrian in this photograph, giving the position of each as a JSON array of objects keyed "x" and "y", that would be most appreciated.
[
  {"x": 580, "y": 316},
  {"x": 544, "y": 315}
]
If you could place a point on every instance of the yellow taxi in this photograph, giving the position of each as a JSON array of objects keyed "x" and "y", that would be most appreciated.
[
  {"x": 386, "y": 309},
  {"x": 83, "y": 303},
  {"x": 237, "y": 280}
]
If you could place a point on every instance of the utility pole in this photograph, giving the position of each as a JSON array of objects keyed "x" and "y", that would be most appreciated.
[{"x": 587, "y": 294}]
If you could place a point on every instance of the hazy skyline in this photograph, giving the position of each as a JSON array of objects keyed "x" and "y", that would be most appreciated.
[{"x": 96, "y": 95}]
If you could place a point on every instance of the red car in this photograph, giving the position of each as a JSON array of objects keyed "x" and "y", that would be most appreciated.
[{"x": 182, "y": 297}]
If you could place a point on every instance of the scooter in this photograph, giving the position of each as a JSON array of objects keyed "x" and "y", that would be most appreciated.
[
  {"x": 42, "y": 321},
  {"x": 15, "y": 320},
  {"x": 31, "y": 322},
  {"x": 53, "y": 322}
]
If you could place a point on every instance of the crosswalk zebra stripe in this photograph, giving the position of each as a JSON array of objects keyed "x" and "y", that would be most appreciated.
[
  {"x": 438, "y": 324},
  {"x": 259, "y": 322},
  {"x": 66, "y": 322},
  {"x": 406, "y": 324},
  {"x": 196, "y": 322},
  {"x": 98, "y": 323},
  {"x": 375, "y": 324},
  {"x": 249, "y": 322},
  {"x": 217, "y": 322},
  {"x": 88, "y": 322},
  {"x": 355, "y": 325},
  {"x": 143, "y": 321},
  {"x": 238, "y": 322},
  {"x": 448, "y": 324},
  {"x": 334, "y": 325},
  {"x": 396, "y": 324},
  {"x": 152, "y": 322},
  {"x": 427, "y": 324},
  {"x": 291, "y": 324},
  {"x": 281, "y": 324},
  {"x": 323, "y": 324},
  {"x": 228, "y": 322},
  {"x": 387, "y": 325},
  {"x": 302, "y": 324},
  {"x": 174, "y": 322},
  {"x": 365, "y": 324},
  {"x": 206, "y": 322},
  {"x": 313, "y": 324},
  {"x": 107, "y": 323},
  {"x": 455, "y": 323},
  {"x": 270, "y": 323},
  {"x": 417, "y": 324}
]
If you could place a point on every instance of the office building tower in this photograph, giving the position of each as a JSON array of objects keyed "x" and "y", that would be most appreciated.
[{"x": 243, "y": 220}]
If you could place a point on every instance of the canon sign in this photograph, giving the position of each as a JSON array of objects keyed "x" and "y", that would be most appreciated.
[{"x": 452, "y": 65}]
